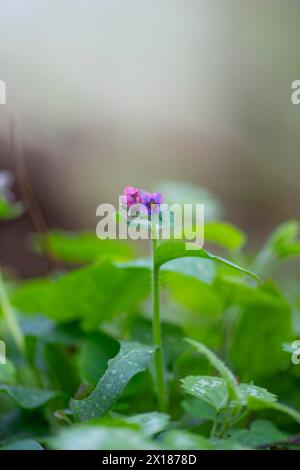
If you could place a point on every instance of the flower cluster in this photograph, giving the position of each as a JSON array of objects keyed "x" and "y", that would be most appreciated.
[{"x": 149, "y": 203}]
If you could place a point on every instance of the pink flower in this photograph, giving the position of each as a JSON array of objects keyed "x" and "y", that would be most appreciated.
[{"x": 131, "y": 196}]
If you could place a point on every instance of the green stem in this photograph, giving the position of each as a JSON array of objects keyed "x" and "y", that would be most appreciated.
[
  {"x": 159, "y": 360},
  {"x": 10, "y": 317},
  {"x": 213, "y": 431}
]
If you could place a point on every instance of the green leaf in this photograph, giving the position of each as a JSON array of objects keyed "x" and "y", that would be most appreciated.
[
  {"x": 105, "y": 289},
  {"x": 184, "y": 440},
  {"x": 9, "y": 210},
  {"x": 170, "y": 250},
  {"x": 197, "y": 408},
  {"x": 204, "y": 271},
  {"x": 83, "y": 247},
  {"x": 256, "y": 397},
  {"x": 193, "y": 294},
  {"x": 224, "y": 234},
  {"x": 93, "y": 294},
  {"x": 189, "y": 281},
  {"x": 220, "y": 366},
  {"x": 141, "y": 331},
  {"x": 291, "y": 412},
  {"x": 38, "y": 326},
  {"x": 101, "y": 434},
  {"x": 50, "y": 356},
  {"x": 255, "y": 350},
  {"x": 225, "y": 444},
  {"x": 219, "y": 233},
  {"x": 22, "y": 444},
  {"x": 7, "y": 372},
  {"x": 212, "y": 390},
  {"x": 283, "y": 240},
  {"x": 261, "y": 433},
  {"x": 281, "y": 244},
  {"x": 151, "y": 423},
  {"x": 234, "y": 291},
  {"x": 95, "y": 351},
  {"x": 131, "y": 359},
  {"x": 28, "y": 398}
]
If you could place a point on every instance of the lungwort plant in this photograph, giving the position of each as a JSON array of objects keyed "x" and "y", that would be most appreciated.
[{"x": 185, "y": 349}]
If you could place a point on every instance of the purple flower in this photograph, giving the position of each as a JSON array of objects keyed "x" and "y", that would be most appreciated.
[
  {"x": 131, "y": 196},
  {"x": 152, "y": 202}
]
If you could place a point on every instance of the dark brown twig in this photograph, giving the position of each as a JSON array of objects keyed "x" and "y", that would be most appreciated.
[{"x": 31, "y": 203}]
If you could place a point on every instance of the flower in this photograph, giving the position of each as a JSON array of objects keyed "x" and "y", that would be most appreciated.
[
  {"x": 152, "y": 202},
  {"x": 131, "y": 196},
  {"x": 148, "y": 203},
  {"x": 6, "y": 181}
]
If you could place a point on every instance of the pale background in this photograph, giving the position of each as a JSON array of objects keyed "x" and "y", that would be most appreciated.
[{"x": 115, "y": 92}]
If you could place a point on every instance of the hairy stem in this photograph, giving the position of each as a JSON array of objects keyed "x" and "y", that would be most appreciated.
[
  {"x": 159, "y": 360},
  {"x": 10, "y": 317}
]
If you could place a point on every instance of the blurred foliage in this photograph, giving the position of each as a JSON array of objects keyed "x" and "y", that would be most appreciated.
[{"x": 84, "y": 379}]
